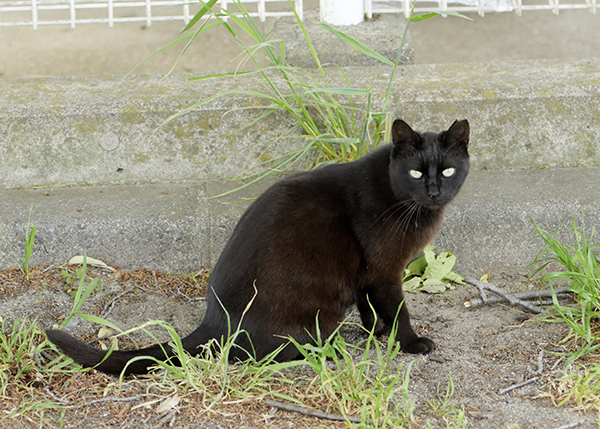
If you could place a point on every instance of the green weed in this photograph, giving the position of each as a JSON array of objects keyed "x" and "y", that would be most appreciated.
[
  {"x": 23, "y": 371},
  {"x": 338, "y": 124},
  {"x": 431, "y": 273},
  {"x": 579, "y": 387},
  {"x": 582, "y": 272},
  {"x": 362, "y": 380},
  {"x": 82, "y": 293},
  {"x": 453, "y": 416},
  {"x": 29, "y": 241}
]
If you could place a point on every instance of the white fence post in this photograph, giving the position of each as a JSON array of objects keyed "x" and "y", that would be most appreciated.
[{"x": 342, "y": 12}]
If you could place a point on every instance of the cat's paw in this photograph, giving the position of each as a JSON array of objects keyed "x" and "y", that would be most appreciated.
[{"x": 421, "y": 346}]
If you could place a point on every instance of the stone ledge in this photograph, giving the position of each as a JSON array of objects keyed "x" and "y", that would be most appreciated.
[{"x": 64, "y": 131}]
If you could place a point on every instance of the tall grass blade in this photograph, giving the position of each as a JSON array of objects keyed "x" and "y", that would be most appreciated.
[
  {"x": 582, "y": 272},
  {"x": 206, "y": 7},
  {"x": 356, "y": 44}
]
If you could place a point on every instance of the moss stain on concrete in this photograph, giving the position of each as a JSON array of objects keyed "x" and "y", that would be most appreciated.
[
  {"x": 132, "y": 115},
  {"x": 90, "y": 125},
  {"x": 140, "y": 158}
]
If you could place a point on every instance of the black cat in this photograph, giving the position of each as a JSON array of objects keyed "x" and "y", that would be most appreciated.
[{"x": 317, "y": 242}]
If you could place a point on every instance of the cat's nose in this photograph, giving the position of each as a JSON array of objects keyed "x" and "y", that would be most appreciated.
[{"x": 433, "y": 193}]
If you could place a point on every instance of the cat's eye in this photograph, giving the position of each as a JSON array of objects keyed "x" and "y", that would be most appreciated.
[
  {"x": 415, "y": 174},
  {"x": 448, "y": 172}
]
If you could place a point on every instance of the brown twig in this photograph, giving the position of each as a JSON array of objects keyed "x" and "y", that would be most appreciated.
[
  {"x": 510, "y": 298},
  {"x": 315, "y": 413},
  {"x": 534, "y": 294},
  {"x": 56, "y": 398}
]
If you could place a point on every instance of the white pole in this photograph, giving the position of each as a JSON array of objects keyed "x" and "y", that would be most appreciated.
[{"x": 342, "y": 12}]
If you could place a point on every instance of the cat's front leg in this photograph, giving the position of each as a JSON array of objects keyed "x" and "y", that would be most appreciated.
[
  {"x": 370, "y": 319},
  {"x": 387, "y": 303}
]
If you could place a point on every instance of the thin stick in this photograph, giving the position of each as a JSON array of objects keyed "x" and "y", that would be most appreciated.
[
  {"x": 508, "y": 297},
  {"x": 315, "y": 413},
  {"x": 108, "y": 308},
  {"x": 571, "y": 425},
  {"x": 481, "y": 289},
  {"x": 56, "y": 398},
  {"x": 534, "y": 294},
  {"x": 518, "y": 385}
]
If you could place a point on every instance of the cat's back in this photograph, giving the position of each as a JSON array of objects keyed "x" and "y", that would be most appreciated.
[
  {"x": 332, "y": 183},
  {"x": 308, "y": 204}
]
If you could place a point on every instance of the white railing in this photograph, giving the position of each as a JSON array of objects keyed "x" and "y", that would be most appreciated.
[
  {"x": 479, "y": 6},
  {"x": 69, "y": 12}
]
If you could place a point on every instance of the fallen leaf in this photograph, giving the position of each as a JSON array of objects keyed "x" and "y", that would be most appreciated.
[
  {"x": 412, "y": 285},
  {"x": 168, "y": 404},
  {"x": 78, "y": 260},
  {"x": 104, "y": 331}
]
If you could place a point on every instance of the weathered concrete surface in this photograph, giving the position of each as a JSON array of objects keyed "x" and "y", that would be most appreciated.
[
  {"x": 105, "y": 130},
  {"x": 173, "y": 227},
  {"x": 147, "y": 205}
]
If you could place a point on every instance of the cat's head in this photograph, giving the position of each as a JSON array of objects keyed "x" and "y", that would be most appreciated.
[{"x": 429, "y": 168}]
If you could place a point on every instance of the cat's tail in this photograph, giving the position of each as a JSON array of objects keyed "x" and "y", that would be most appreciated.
[{"x": 92, "y": 357}]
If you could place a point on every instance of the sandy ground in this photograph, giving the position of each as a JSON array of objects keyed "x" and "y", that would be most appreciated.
[{"x": 483, "y": 349}]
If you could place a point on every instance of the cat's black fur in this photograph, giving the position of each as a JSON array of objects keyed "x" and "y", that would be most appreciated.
[{"x": 318, "y": 242}]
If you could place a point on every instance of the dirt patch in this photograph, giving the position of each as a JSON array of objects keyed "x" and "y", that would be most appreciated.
[{"x": 483, "y": 350}]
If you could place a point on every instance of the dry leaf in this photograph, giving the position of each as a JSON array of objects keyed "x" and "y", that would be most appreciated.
[
  {"x": 78, "y": 260},
  {"x": 168, "y": 404}
]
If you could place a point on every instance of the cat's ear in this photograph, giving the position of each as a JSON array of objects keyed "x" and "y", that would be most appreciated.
[
  {"x": 403, "y": 134},
  {"x": 458, "y": 133}
]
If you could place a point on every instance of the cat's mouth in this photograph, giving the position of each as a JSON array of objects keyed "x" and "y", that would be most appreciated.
[{"x": 433, "y": 202}]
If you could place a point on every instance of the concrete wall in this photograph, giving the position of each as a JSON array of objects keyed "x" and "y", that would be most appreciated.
[{"x": 107, "y": 130}]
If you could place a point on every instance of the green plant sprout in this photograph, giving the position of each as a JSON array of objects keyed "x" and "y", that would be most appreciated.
[
  {"x": 365, "y": 375},
  {"x": 82, "y": 293},
  {"x": 582, "y": 272},
  {"x": 21, "y": 369},
  {"x": 454, "y": 417},
  {"x": 29, "y": 241}
]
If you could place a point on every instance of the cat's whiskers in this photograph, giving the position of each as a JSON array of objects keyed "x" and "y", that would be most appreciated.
[
  {"x": 404, "y": 221},
  {"x": 406, "y": 206},
  {"x": 390, "y": 211}
]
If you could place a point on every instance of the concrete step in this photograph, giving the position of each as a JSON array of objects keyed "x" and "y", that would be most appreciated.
[
  {"x": 65, "y": 131},
  {"x": 173, "y": 227}
]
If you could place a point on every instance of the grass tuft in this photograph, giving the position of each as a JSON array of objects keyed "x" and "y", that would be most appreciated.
[
  {"x": 336, "y": 123},
  {"x": 582, "y": 272},
  {"x": 23, "y": 261}
]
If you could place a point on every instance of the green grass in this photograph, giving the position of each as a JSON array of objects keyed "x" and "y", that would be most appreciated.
[
  {"x": 581, "y": 271},
  {"x": 23, "y": 261},
  {"x": 579, "y": 386},
  {"x": 368, "y": 381},
  {"x": 453, "y": 416},
  {"x": 363, "y": 380},
  {"x": 24, "y": 372},
  {"x": 336, "y": 123}
]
